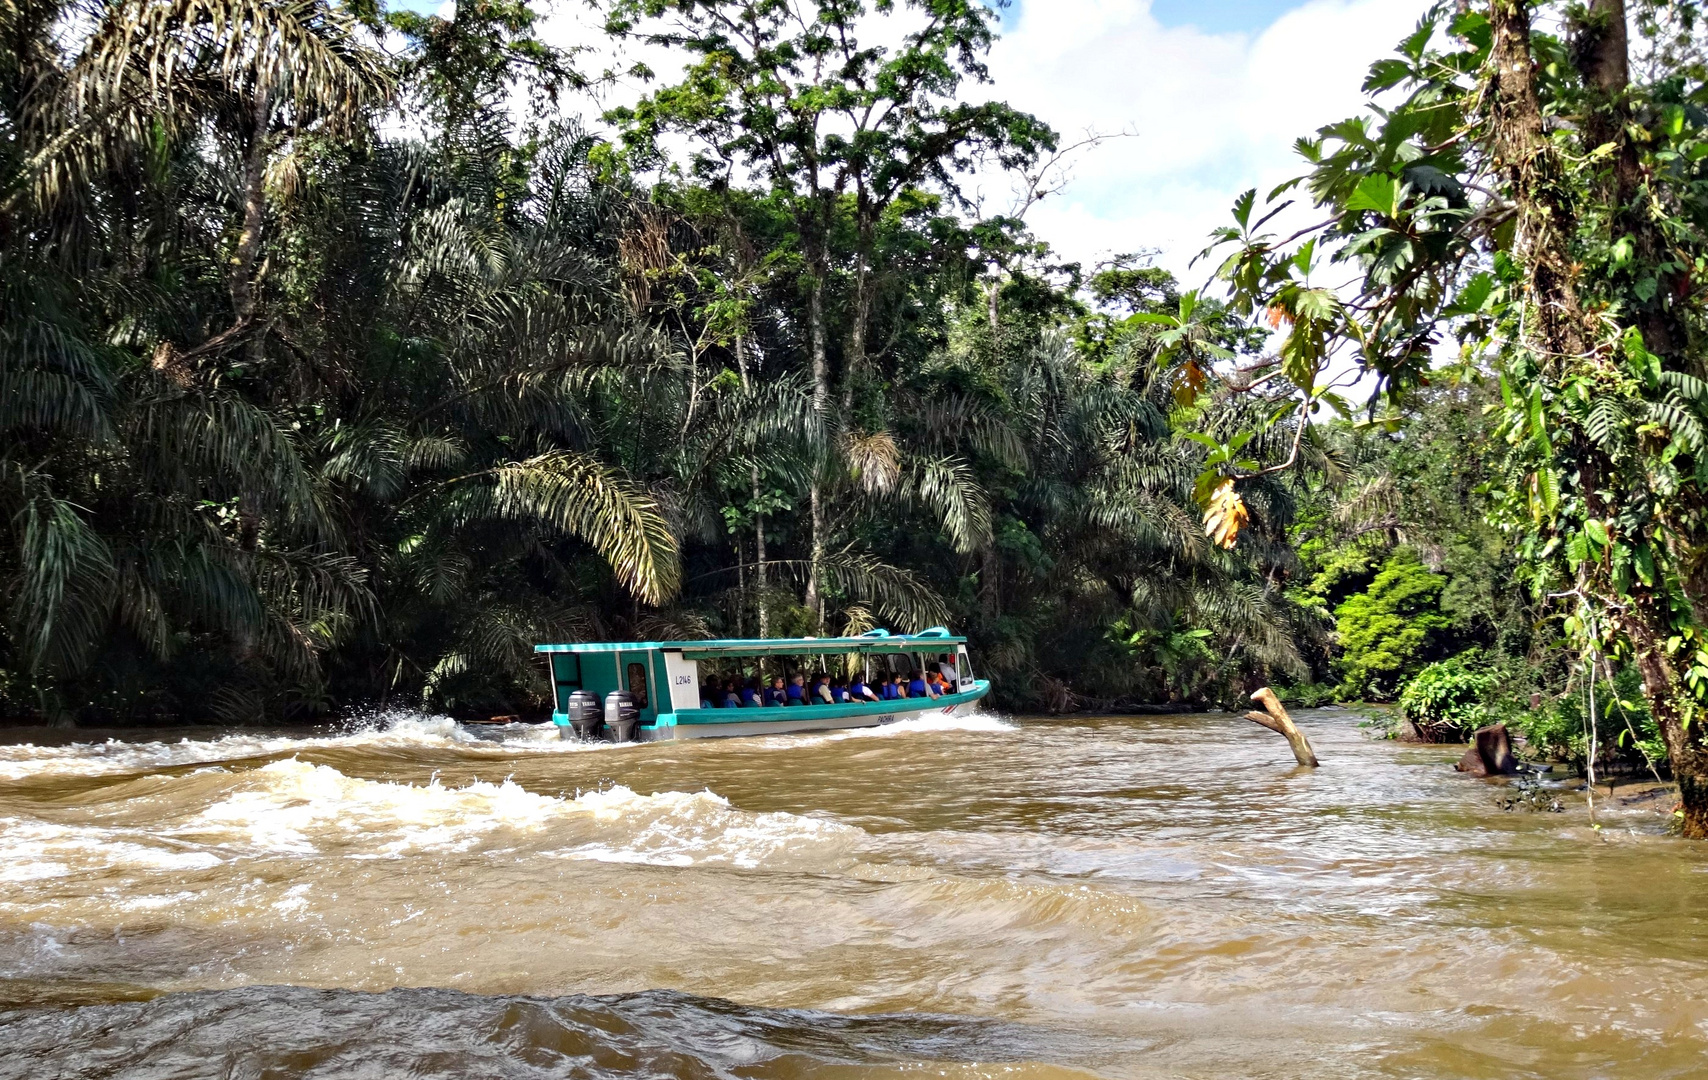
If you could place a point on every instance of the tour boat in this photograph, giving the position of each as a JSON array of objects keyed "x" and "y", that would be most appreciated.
[{"x": 651, "y": 690}]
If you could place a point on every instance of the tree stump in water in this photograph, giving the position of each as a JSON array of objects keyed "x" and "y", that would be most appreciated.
[
  {"x": 1275, "y": 718},
  {"x": 1490, "y": 753}
]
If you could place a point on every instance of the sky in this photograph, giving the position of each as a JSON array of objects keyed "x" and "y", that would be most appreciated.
[
  {"x": 1211, "y": 93},
  {"x": 1207, "y": 97}
]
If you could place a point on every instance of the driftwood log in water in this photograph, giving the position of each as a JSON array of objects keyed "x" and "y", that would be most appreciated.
[{"x": 1275, "y": 718}]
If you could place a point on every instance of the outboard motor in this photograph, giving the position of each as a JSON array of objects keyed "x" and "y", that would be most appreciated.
[
  {"x": 620, "y": 716},
  {"x": 584, "y": 718}
]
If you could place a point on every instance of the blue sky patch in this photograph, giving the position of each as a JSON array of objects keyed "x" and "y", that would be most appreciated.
[{"x": 1222, "y": 16}]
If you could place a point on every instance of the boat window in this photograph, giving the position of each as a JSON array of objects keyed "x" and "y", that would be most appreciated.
[
  {"x": 637, "y": 684},
  {"x": 566, "y": 670},
  {"x": 566, "y": 677}
]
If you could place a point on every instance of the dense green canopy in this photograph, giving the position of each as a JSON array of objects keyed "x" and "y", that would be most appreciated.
[{"x": 328, "y": 382}]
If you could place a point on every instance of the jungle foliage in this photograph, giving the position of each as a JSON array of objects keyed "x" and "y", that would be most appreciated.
[
  {"x": 341, "y": 362},
  {"x": 1527, "y": 190},
  {"x": 326, "y": 381}
]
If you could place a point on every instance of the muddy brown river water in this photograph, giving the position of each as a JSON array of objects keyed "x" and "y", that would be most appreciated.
[{"x": 1117, "y": 897}]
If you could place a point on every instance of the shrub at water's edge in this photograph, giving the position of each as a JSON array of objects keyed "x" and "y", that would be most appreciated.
[
  {"x": 1452, "y": 698},
  {"x": 1446, "y": 701}
]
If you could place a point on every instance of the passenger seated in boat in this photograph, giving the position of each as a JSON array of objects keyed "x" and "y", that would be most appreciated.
[
  {"x": 936, "y": 682},
  {"x": 821, "y": 690},
  {"x": 839, "y": 690},
  {"x": 732, "y": 699},
  {"x": 888, "y": 690},
  {"x": 917, "y": 686},
  {"x": 859, "y": 691},
  {"x": 777, "y": 694},
  {"x": 751, "y": 696},
  {"x": 797, "y": 690}
]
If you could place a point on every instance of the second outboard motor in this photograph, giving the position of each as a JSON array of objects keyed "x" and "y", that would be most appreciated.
[
  {"x": 620, "y": 716},
  {"x": 584, "y": 718}
]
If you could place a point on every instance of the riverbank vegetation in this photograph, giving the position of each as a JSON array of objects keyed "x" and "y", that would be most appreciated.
[{"x": 346, "y": 353}]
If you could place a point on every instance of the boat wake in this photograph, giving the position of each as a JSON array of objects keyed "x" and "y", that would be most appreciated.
[
  {"x": 212, "y": 816},
  {"x": 978, "y": 722},
  {"x": 392, "y": 730}
]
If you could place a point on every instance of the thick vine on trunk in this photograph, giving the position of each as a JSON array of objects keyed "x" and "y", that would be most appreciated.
[{"x": 1601, "y": 51}]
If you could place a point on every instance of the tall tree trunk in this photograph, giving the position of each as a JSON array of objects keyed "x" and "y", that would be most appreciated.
[
  {"x": 821, "y": 406},
  {"x": 759, "y": 574},
  {"x": 1555, "y": 325},
  {"x": 856, "y": 357},
  {"x": 1601, "y": 50},
  {"x": 990, "y": 583},
  {"x": 242, "y": 280},
  {"x": 740, "y": 589},
  {"x": 1556, "y": 329},
  {"x": 1667, "y": 699}
]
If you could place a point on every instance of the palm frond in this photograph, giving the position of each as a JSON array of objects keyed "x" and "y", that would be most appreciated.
[
  {"x": 896, "y": 594},
  {"x": 582, "y": 497},
  {"x": 950, "y": 489}
]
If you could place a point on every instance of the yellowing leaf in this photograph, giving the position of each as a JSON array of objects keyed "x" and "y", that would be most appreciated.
[
  {"x": 1226, "y": 516},
  {"x": 1190, "y": 382}
]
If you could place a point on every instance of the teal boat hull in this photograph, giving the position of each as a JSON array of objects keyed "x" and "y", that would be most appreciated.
[{"x": 784, "y": 720}]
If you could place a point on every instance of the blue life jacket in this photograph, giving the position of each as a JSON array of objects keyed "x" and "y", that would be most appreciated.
[
  {"x": 797, "y": 694},
  {"x": 839, "y": 694},
  {"x": 774, "y": 696},
  {"x": 916, "y": 688},
  {"x": 857, "y": 690},
  {"x": 749, "y": 698},
  {"x": 890, "y": 692}
]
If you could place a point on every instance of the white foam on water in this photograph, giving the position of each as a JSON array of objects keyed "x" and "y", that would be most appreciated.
[
  {"x": 675, "y": 829},
  {"x": 396, "y": 731},
  {"x": 933, "y": 722},
  {"x": 38, "y": 850},
  {"x": 390, "y": 730},
  {"x": 297, "y": 809},
  {"x": 293, "y": 807}
]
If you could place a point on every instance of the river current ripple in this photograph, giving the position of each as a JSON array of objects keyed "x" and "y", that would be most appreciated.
[{"x": 971, "y": 897}]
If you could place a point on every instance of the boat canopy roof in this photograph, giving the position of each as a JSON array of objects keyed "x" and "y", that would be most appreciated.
[{"x": 935, "y": 639}]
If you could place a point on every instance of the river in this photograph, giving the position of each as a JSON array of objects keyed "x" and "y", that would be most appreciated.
[{"x": 977, "y": 897}]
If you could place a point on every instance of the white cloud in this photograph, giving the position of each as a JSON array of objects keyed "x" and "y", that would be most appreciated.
[{"x": 1213, "y": 114}]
